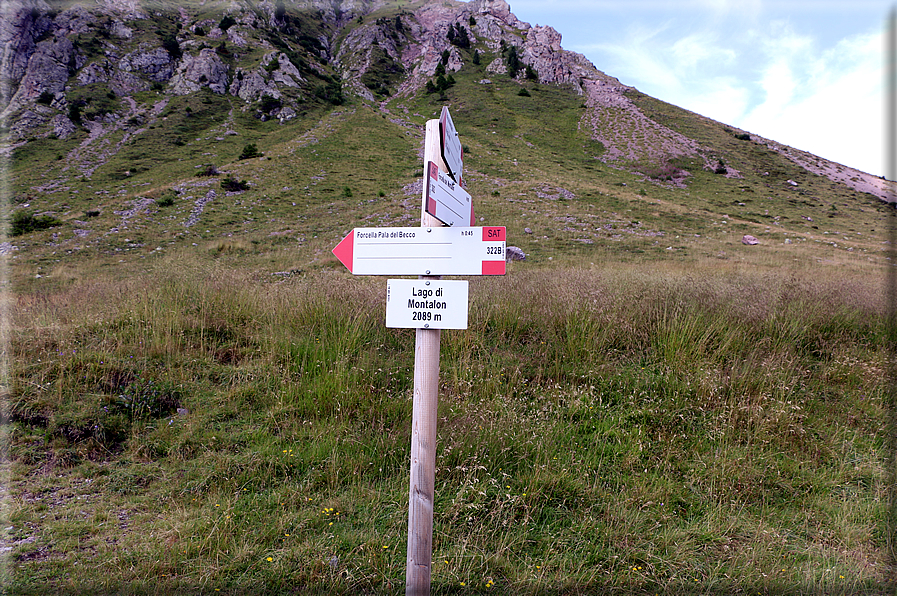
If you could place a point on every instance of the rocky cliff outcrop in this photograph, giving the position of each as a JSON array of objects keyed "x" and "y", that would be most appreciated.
[
  {"x": 21, "y": 25},
  {"x": 275, "y": 71},
  {"x": 206, "y": 69},
  {"x": 48, "y": 70}
]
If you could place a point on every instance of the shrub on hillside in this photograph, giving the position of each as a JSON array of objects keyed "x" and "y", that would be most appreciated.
[
  {"x": 167, "y": 199},
  {"x": 231, "y": 184},
  {"x": 513, "y": 62},
  {"x": 332, "y": 93},
  {"x": 720, "y": 167},
  {"x": 250, "y": 151},
  {"x": 208, "y": 170},
  {"x": 24, "y": 223},
  {"x": 227, "y": 22},
  {"x": 269, "y": 103}
]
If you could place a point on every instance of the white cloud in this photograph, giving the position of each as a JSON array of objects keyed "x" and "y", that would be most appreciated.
[
  {"x": 829, "y": 104},
  {"x": 691, "y": 51},
  {"x": 807, "y": 73}
]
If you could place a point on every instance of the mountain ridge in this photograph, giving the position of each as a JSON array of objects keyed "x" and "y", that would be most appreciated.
[
  {"x": 111, "y": 107},
  {"x": 34, "y": 66}
]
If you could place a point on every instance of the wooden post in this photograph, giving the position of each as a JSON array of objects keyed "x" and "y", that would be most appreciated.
[{"x": 423, "y": 423}]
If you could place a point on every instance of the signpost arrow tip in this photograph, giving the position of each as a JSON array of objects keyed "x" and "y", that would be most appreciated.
[{"x": 345, "y": 249}]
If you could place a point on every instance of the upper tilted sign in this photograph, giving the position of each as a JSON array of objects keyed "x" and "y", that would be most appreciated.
[
  {"x": 450, "y": 145},
  {"x": 424, "y": 251},
  {"x": 446, "y": 200}
]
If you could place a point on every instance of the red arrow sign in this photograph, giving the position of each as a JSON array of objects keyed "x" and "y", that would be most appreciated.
[{"x": 345, "y": 249}]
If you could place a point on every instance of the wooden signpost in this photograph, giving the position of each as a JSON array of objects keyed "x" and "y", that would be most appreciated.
[{"x": 429, "y": 251}]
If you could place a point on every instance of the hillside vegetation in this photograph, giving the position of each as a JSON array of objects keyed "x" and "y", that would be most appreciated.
[{"x": 201, "y": 399}]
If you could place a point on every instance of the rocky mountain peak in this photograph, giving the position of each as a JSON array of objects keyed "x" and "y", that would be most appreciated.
[{"x": 278, "y": 55}]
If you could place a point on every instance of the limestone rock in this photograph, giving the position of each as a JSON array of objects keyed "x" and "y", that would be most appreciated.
[
  {"x": 196, "y": 72},
  {"x": 251, "y": 85},
  {"x": 498, "y": 9},
  {"x": 497, "y": 66},
  {"x": 47, "y": 71},
  {"x": 120, "y": 30},
  {"x": 749, "y": 240},
  {"x": 95, "y": 72},
  {"x": 128, "y": 9},
  {"x": 73, "y": 21},
  {"x": 286, "y": 72},
  {"x": 62, "y": 126},
  {"x": 156, "y": 64},
  {"x": 19, "y": 30},
  {"x": 514, "y": 253},
  {"x": 127, "y": 83}
]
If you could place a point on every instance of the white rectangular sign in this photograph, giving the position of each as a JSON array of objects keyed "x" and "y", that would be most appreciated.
[
  {"x": 424, "y": 251},
  {"x": 446, "y": 200},
  {"x": 450, "y": 145},
  {"x": 427, "y": 304}
]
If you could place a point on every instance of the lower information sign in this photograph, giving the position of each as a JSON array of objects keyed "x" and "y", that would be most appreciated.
[{"x": 426, "y": 304}]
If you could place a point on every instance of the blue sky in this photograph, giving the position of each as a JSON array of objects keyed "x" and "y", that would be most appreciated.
[{"x": 806, "y": 73}]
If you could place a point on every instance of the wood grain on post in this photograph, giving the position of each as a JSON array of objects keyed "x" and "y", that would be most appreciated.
[{"x": 423, "y": 421}]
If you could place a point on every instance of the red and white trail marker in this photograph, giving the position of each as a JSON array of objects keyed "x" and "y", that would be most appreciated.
[
  {"x": 424, "y": 251},
  {"x": 446, "y": 200}
]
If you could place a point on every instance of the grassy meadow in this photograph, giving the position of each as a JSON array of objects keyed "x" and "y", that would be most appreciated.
[
  {"x": 202, "y": 400},
  {"x": 624, "y": 428}
]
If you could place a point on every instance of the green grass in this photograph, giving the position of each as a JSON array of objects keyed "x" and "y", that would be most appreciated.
[{"x": 700, "y": 440}]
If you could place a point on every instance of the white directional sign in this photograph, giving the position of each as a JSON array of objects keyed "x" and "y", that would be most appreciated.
[
  {"x": 424, "y": 251},
  {"x": 427, "y": 304},
  {"x": 446, "y": 200},
  {"x": 450, "y": 145}
]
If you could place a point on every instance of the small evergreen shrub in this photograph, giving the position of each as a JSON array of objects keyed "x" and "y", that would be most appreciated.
[
  {"x": 208, "y": 170},
  {"x": 720, "y": 167},
  {"x": 227, "y": 22},
  {"x": 269, "y": 103},
  {"x": 75, "y": 113},
  {"x": 231, "y": 184},
  {"x": 25, "y": 223},
  {"x": 332, "y": 93},
  {"x": 513, "y": 61},
  {"x": 524, "y": 93},
  {"x": 170, "y": 44},
  {"x": 250, "y": 151}
]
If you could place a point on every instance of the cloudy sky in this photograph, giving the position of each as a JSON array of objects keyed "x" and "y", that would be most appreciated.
[{"x": 807, "y": 73}]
